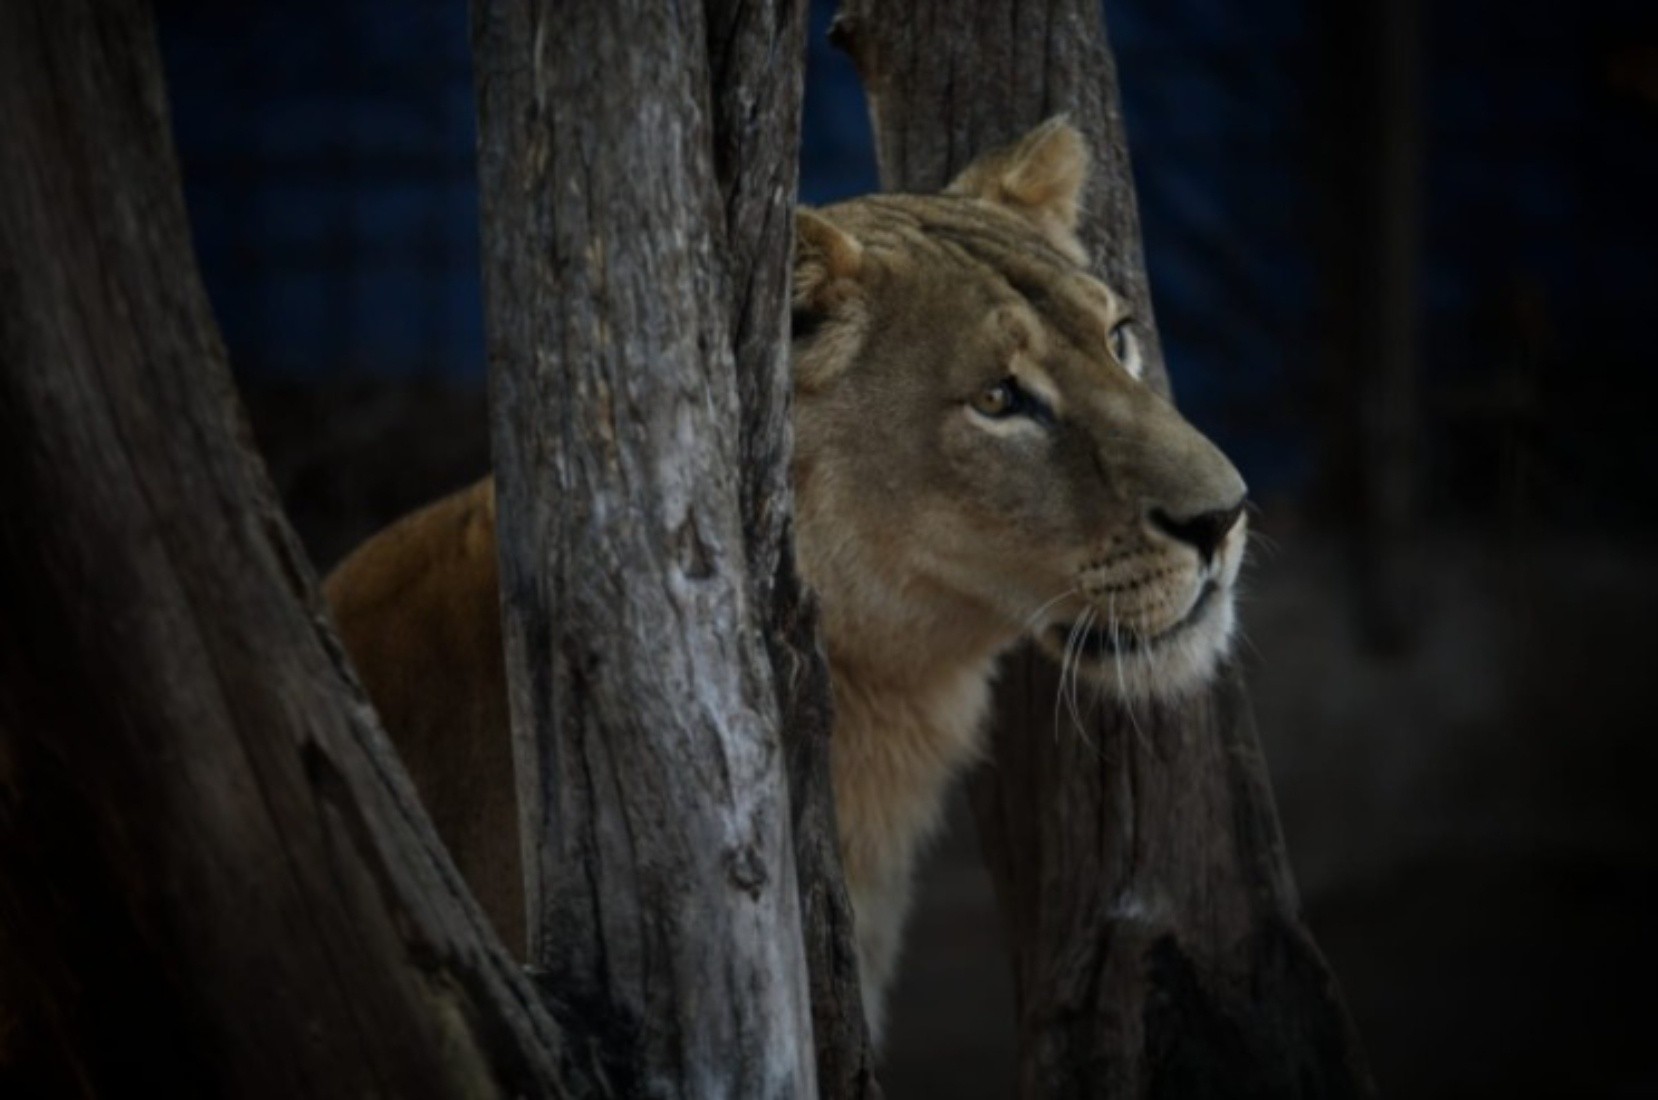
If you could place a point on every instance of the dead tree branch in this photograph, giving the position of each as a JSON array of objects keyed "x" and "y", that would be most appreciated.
[{"x": 214, "y": 876}]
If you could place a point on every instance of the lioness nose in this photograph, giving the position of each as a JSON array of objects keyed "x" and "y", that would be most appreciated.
[{"x": 1204, "y": 530}]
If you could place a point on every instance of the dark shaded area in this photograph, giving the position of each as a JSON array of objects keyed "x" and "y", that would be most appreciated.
[
  {"x": 1468, "y": 807},
  {"x": 236, "y": 878},
  {"x": 1186, "y": 1047},
  {"x": 1471, "y": 823}
]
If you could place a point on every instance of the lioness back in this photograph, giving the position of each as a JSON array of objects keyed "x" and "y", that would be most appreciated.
[{"x": 418, "y": 609}]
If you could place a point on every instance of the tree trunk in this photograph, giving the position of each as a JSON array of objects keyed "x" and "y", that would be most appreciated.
[
  {"x": 1156, "y": 939},
  {"x": 756, "y": 61},
  {"x": 214, "y": 876},
  {"x": 637, "y": 167}
]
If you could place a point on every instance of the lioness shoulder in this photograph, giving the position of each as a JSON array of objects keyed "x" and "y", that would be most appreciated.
[
  {"x": 418, "y": 608},
  {"x": 978, "y": 461}
]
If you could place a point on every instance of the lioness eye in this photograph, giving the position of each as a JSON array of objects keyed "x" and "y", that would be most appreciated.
[
  {"x": 1119, "y": 342},
  {"x": 999, "y": 400}
]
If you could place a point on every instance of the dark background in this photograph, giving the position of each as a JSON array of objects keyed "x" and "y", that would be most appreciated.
[{"x": 1445, "y": 212}]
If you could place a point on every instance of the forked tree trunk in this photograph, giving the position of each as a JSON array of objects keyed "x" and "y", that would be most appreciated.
[
  {"x": 1157, "y": 943},
  {"x": 215, "y": 878},
  {"x": 637, "y": 166}
]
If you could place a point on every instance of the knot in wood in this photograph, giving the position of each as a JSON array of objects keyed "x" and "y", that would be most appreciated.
[{"x": 746, "y": 870}]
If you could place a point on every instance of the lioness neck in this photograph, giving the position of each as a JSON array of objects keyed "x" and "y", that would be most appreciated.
[
  {"x": 895, "y": 747},
  {"x": 911, "y": 668}
]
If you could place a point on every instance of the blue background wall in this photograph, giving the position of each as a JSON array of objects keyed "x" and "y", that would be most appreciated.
[{"x": 327, "y": 150}]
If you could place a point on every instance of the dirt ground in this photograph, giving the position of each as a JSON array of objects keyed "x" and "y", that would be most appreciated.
[{"x": 1470, "y": 819}]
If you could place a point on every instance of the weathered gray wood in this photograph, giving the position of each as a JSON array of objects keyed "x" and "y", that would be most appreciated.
[
  {"x": 1154, "y": 927},
  {"x": 214, "y": 877},
  {"x": 756, "y": 65},
  {"x": 636, "y": 227},
  {"x": 756, "y": 54}
]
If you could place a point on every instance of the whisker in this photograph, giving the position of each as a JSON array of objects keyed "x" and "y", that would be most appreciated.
[
  {"x": 1076, "y": 666},
  {"x": 1065, "y": 663},
  {"x": 1099, "y": 694},
  {"x": 1117, "y": 661},
  {"x": 1030, "y": 620},
  {"x": 1261, "y": 541},
  {"x": 1074, "y": 649}
]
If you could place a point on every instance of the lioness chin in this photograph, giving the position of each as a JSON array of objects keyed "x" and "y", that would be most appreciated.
[{"x": 976, "y": 461}]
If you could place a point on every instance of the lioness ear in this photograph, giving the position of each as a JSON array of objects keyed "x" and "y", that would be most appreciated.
[
  {"x": 1041, "y": 176},
  {"x": 827, "y": 260},
  {"x": 826, "y": 322}
]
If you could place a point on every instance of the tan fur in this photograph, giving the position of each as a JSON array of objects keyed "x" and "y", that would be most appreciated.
[{"x": 936, "y": 535}]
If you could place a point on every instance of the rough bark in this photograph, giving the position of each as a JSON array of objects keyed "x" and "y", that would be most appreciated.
[
  {"x": 756, "y": 61},
  {"x": 1155, "y": 933},
  {"x": 755, "y": 58},
  {"x": 637, "y": 175},
  {"x": 214, "y": 876}
]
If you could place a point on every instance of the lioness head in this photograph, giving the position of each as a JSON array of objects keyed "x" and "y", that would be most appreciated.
[{"x": 975, "y": 445}]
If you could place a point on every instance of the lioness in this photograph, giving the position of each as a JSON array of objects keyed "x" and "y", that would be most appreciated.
[{"x": 977, "y": 461}]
